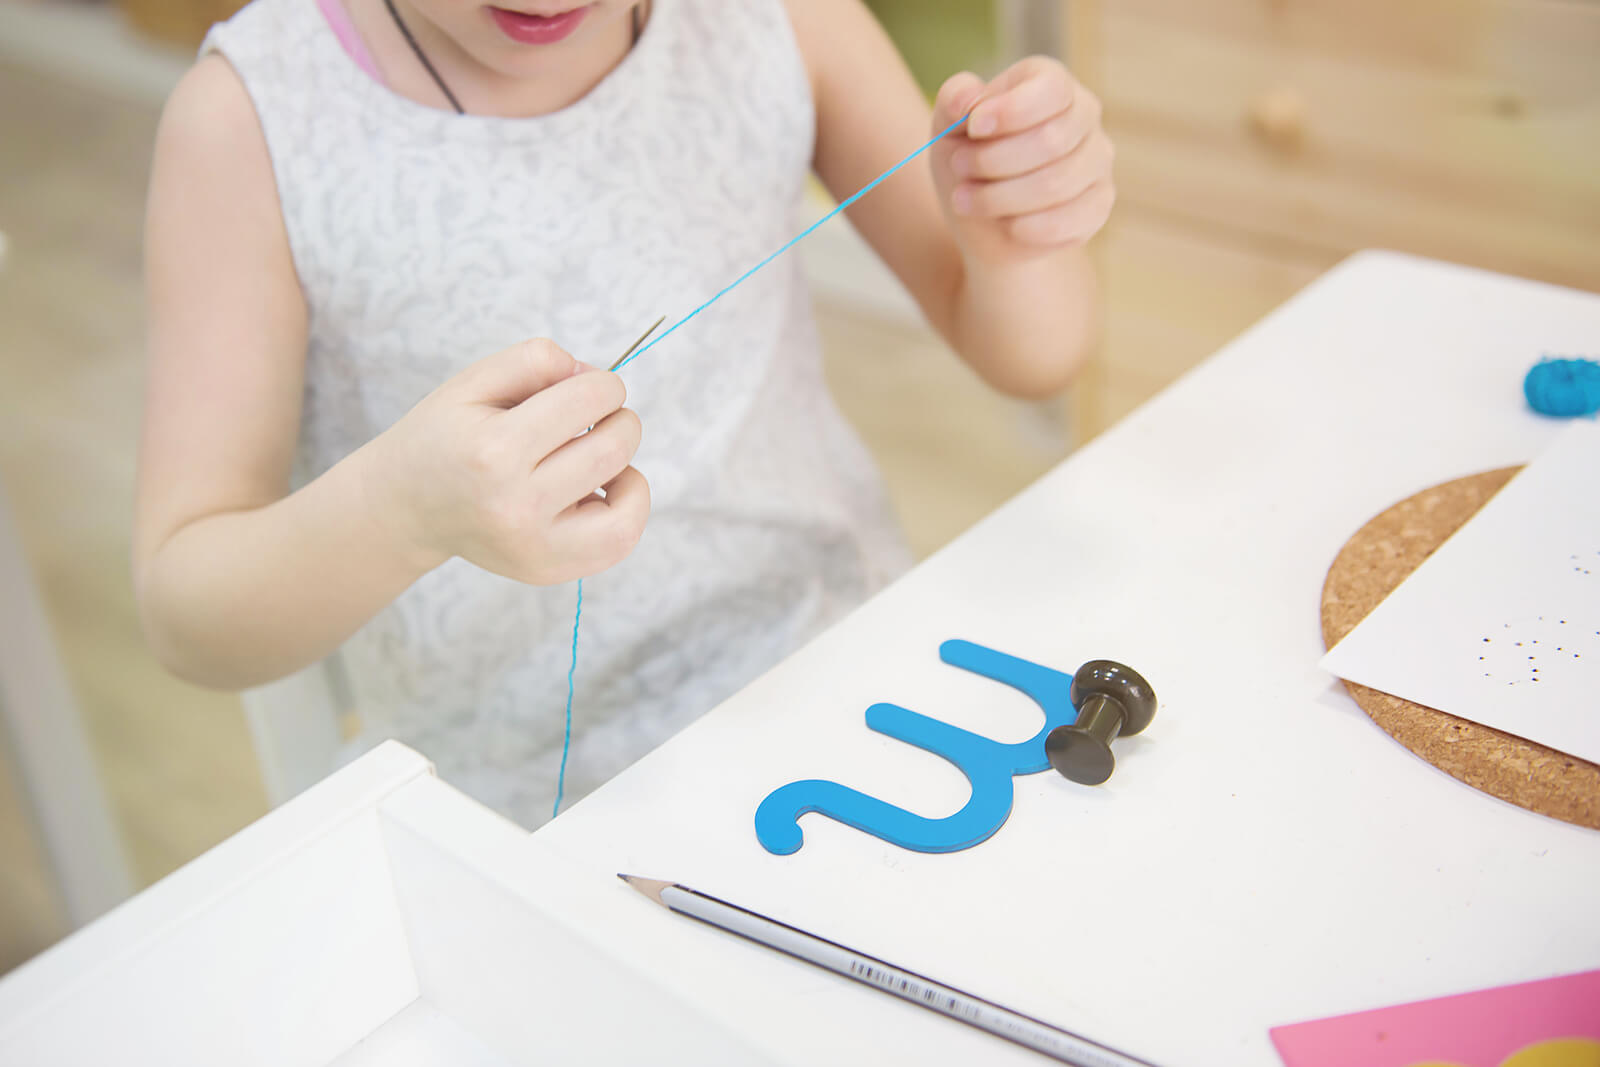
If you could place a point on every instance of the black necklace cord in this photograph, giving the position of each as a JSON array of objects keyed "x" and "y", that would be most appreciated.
[{"x": 422, "y": 57}]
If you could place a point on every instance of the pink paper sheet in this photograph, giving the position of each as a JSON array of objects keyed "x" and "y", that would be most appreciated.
[{"x": 1511, "y": 1026}]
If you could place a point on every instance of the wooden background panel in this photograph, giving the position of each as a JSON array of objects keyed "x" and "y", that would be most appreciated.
[
  {"x": 179, "y": 22},
  {"x": 1178, "y": 73},
  {"x": 1175, "y": 294},
  {"x": 1491, "y": 157},
  {"x": 1551, "y": 41}
]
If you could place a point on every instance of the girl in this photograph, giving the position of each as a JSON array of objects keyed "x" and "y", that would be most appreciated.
[{"x": 360, "y": 213}]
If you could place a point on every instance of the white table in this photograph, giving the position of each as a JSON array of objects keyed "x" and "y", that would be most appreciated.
[
  {"x": 1264, "y": 854},
  {"x": 379, "y": 918}
]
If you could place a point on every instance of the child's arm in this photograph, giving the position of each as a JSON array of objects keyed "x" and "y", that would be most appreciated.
[
  {"x": 992, "y": 248},
  {"x": 240, "y": 581}
]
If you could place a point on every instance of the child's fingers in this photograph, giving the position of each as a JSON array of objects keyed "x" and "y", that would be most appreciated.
[
  {"x": 1010, "y": 157},
  {"x": 1050, "y": 185},
  {"x": 512, "y": 375},
  {"x": 956, "y": 96},
  {"x": 598, "y": 533},
  {"x": 1027, "y": 94},
  {"x": 1066, "y": 224},
  {"x": 628, "y": 499},
  {"x": 569, "y": 474},
  {"x": 550, "y": 418}
]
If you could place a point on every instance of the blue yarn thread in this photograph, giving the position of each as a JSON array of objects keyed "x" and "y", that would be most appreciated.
[
  {"x": 566, "y": 742},
  {"x": 1563, "y": 387},
  {"x": 807, "y": 232}
]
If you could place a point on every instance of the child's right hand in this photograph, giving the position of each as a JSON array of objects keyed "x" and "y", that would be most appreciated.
[{"x": 490, "y": 467}]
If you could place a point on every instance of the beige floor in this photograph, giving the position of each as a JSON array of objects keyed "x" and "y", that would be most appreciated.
[{"x": 177, "y": 760}]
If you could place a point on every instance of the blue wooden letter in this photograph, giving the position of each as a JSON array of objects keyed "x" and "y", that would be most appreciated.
[{"x": 988, "y": 765}]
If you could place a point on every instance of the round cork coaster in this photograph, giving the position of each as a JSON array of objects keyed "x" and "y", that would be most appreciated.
[{"x": 1371, "y": 564}]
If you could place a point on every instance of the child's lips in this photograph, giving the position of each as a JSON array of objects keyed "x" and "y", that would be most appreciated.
[{"x": 530, "y": 28}]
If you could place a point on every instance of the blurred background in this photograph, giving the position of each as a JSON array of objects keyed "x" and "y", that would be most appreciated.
[{"x": 1260, "y": 141}]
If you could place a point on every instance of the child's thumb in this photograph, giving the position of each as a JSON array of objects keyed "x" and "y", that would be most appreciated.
[
  {"x": 513, "y": 374},
  {"x": 956, "y": 97}
]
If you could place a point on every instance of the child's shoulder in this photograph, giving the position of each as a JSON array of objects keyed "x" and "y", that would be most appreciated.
[
  {"x": 211, "y": 174},
  {"x": 209, "y": 115},
  {"x": 213, "y": 112}
]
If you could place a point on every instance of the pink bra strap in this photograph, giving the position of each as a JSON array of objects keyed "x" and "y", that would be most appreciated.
[{"x": 345, "y": 30}]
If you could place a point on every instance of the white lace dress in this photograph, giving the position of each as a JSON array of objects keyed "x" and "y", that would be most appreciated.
[{"x": 425, "y": 240}]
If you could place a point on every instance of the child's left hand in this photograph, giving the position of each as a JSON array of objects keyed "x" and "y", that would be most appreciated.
[{"x": 1030, "y": 172}]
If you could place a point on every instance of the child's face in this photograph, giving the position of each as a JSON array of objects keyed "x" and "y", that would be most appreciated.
[{"x": 527, "y": 38}]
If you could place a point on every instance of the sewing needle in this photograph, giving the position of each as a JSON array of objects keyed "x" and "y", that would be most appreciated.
[{"x": 635, "y": 346}]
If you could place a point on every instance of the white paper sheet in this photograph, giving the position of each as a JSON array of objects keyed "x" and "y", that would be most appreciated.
[{"x": 1501, "y": 625}]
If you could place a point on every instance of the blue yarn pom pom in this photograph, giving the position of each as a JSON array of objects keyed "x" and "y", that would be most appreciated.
[{"x": 1563, "y": 387}]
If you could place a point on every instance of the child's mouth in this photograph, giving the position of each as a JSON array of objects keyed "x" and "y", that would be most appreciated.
[{"x": 537, "y": 29}]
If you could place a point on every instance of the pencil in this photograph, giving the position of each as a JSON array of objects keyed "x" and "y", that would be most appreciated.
[{"x": 869, "y": 970}]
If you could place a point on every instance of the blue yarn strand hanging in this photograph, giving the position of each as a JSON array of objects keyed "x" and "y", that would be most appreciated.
[{"x": 566, "y": 743}]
